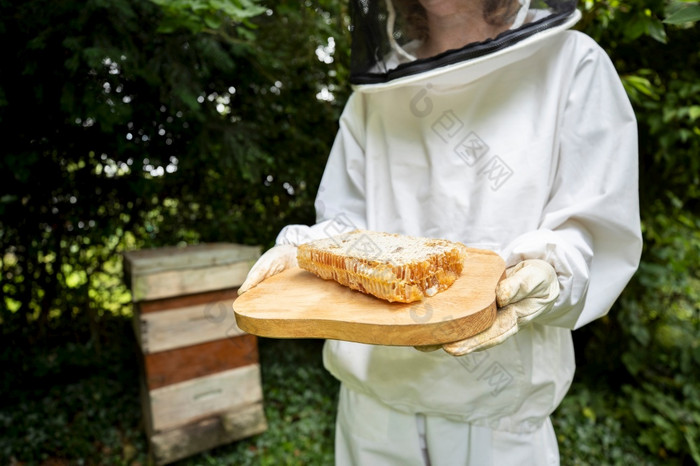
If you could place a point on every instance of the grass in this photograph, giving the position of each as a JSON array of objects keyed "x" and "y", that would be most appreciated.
[{"x": 76, "y": 403}]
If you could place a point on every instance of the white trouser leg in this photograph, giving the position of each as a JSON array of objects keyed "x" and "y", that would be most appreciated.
[
  {"x": 451, "y": 443},
  {"x": 538, "y": 448},
  {"x": 370, "y": 433}
]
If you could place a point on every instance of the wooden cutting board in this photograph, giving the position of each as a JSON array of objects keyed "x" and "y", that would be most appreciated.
[{"x": 297, "y": 304}]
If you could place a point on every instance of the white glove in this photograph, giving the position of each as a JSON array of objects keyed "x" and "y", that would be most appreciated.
[
  {"x": 529, "y": 289},
  {"x": 274, "y": 261}
]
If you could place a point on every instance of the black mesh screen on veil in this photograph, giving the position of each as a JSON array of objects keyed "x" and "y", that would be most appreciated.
[{"x": 378, "y": 56}]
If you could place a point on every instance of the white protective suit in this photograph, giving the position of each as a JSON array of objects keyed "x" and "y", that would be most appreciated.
[{"x": 530, "y": 151}]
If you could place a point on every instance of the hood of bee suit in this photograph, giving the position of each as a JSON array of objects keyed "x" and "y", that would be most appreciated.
[{"x": 386, "y": 34}]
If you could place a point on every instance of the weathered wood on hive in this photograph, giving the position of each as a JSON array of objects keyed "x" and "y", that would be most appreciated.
[
  {"x": 175, "y": 271},
  {"x": 200, "y": 374},
  {"x": 165, "y": 324},
  {"x": 192, "y": 400},
  {"x": 190, "y": 362},
  {"x": 172, "y": 445}
]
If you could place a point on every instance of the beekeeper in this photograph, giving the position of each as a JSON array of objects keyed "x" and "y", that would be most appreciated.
[{"x": 487, "y": 122}]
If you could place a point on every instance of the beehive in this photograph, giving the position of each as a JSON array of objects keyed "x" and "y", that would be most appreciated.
[{"x": 200, "y": 374}]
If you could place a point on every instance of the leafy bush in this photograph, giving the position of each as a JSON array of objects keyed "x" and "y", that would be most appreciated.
[
  {"x": 591, "y": 431},
  {"x": 651, "y": 343},
  {"x": 134, "y": 126},
  {"x": 647, "y": 351}
]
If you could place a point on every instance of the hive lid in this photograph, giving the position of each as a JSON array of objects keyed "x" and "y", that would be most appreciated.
[{"x": 149, "y": 261}]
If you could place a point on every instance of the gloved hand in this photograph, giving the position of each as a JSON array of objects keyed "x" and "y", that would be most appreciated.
[
  {"x": 272, "y": 262},
  {"x": 529, "y": 289}
]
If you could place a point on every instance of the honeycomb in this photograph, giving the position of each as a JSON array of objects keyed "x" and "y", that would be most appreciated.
[{"x": 395, "y": 268}]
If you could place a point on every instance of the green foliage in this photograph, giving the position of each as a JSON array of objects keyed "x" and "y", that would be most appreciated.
[
  {"x": 648, "y": 349},
  {"x": 684, "y": 14},
  {"x": 660, "y": 321},
  {"x": 125, "y": 136},
  {"x": 591, "y": 432},
  {"x": 212, "y": 16}
]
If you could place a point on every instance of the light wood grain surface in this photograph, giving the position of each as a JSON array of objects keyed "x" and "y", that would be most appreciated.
[{"x": 297, "y": 304}]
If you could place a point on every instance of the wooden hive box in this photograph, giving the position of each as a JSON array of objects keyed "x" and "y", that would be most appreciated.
[{"x": 200, "y": 373}]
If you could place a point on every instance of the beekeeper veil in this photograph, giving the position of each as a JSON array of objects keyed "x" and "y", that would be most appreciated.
[{"x": 386, "y": 34}]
